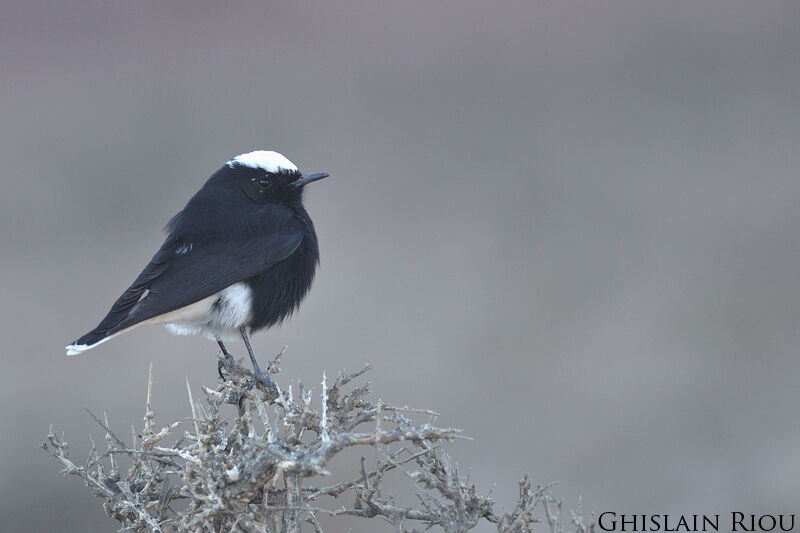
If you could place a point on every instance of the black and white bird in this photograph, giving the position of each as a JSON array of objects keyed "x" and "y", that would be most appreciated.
[{"x": 238, "y": 258}]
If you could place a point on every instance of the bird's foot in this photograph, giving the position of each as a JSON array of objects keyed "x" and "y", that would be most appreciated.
[
  {"x": 259, "y": 376},
  {"x": 228, "y": 362}
]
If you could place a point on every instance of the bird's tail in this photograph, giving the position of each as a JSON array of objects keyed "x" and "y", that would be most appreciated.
[
  {"x": 112, "y": 325},
  {"x": 87, "y": 342}
]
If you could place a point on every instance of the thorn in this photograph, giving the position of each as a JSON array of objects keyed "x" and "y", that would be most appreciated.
[{"x": 194, "y": 409}]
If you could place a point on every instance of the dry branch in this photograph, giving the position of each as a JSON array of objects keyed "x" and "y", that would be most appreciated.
[{"x": 263, "y": 469}]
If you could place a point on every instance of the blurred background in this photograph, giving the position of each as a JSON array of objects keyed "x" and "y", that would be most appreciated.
[{"x": 569, "y": 227}]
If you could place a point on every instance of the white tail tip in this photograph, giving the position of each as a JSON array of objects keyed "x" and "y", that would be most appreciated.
[{"x": 75, "y": 349}]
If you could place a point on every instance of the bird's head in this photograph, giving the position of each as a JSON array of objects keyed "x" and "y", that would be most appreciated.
[{"x": 265, "y": 176}]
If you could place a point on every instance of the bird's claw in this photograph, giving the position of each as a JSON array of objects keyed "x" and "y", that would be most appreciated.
[
  {"x": 259, "y": 376},
  {"x": 229, "y": 361}
]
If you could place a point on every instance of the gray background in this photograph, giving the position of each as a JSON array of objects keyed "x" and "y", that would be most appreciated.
[{"x": 571, "y": 228}]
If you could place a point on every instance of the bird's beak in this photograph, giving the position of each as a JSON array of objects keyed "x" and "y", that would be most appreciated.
[{"x": 308, "y": 178}]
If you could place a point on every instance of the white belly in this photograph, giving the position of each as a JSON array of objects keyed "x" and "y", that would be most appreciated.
[{"x": 218, "y": 317}]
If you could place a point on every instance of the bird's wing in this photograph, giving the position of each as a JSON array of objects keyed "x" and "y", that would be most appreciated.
[{"x": 182, "y": 273}]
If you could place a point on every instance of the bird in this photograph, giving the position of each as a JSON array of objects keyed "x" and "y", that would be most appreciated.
[{"x": 238, "y": 258}]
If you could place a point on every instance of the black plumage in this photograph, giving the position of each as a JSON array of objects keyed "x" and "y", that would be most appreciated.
[{"x": 246, "y": 228}]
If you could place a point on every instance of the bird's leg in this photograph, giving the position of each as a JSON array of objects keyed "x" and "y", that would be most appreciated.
[
  {"x": 225, "y": 351},
  {"x": 259, "y": 374},
  {"x": 228, "y": 358}
]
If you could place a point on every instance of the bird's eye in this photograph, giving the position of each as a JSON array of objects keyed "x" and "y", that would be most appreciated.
[{"x": 264, "y": 182}]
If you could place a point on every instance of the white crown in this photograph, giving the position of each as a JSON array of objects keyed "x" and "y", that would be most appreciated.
[{"x": 269, "y": 161}]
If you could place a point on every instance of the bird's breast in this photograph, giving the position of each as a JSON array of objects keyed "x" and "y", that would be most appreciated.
[{"x": 278, "y": 291}]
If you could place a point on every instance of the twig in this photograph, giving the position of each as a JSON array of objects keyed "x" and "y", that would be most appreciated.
[{"x": 227, "y": 472}]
